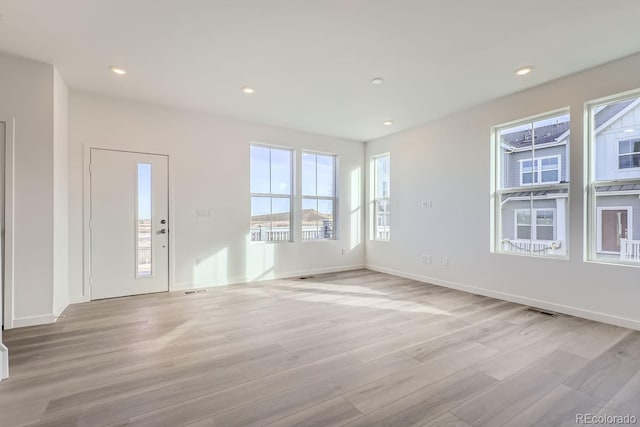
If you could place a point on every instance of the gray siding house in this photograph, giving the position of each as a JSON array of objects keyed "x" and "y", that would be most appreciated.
[{"x": 535, "y": 160}]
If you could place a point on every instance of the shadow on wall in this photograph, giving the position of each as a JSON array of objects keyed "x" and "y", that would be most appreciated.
[
  {"x": 251, "y": 261},
  {"x": 247, "y": 262}
]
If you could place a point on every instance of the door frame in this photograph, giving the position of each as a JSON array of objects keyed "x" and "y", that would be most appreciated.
[
  {"x": 7, "y": 302},
  {"x": 599, "y": 211},
  {"x": 86, "y": 216}
]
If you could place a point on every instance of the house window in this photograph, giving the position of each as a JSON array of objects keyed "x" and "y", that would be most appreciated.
[
  {"x": 271, "y": 194},
  {"x": 542, "y": 170},
  {"x": 531, "y": 190},
  {"x": 380, "y": 200},
  {"x": 318, "y": 196},
  {"x": 541, "y": 228},
  {"x": 629, "y": 154},
  {"x": 613, "y": 164}
]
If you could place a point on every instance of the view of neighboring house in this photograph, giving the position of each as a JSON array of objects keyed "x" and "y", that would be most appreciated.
[
  {"x": 535, "y": 160},
  {"x": 617, "y": 165}
]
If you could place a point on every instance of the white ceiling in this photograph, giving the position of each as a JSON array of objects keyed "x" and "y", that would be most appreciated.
[{"x": 311, "y": 61}]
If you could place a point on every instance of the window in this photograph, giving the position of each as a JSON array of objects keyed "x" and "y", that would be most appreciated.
[
  {"x": 629, "y": 154},
  {"x": 613, "y": 216},
  {"x": 542, "y": 229},
  {"x": 531, "y": 191},
  {"x": 143, "y": 221},
  {"x": 542, "y": 170},
  {"x": 318, "y": 196},
  {"x": 271, "y": 194},
  {"x": 381, "y": 178}
]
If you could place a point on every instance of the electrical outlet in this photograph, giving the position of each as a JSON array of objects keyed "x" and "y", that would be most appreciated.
[
  {"x": 426, "y": 204},
  {"x": 445, "y": 261},
  {"x": 344, "y": 251},
  {"x": 426, "y": 259}
]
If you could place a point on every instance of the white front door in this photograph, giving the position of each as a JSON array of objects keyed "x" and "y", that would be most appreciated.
[{"x": 129, "y": 223}]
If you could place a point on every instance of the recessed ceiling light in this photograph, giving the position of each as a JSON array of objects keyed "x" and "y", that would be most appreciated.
[
  {"x": 388, "y": 122},
  {"x": 523, "y": 71},
  {"x": 119, "y": 71},
  {"x": 376, "y": 81},
  {"x": 248, "y": 90},
  {"x": 629, "y": 130}
]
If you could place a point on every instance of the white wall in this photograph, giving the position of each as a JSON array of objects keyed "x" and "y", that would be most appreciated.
[
  {"x": 209, "y": 162},
  {"x": 448, "y": 161},
  {"x": 26, "y": 93},
  {"x": 60, "y": 194}
]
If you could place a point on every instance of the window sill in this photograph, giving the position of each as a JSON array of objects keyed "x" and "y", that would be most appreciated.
[
  {"x": 537, "y": 256},
  {"x": 613, "y": 263}
]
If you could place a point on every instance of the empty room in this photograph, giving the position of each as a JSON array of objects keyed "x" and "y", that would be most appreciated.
[{"x": 232, "y": 213}]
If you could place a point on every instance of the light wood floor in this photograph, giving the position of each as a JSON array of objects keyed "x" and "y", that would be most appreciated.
[{"x": 357, "y": 349}]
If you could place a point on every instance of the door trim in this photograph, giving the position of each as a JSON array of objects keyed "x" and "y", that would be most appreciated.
[
  {"x": 9, "y": 202},
  {"x": 599, "y": 210},
  {"x": 86, "y": 215}
]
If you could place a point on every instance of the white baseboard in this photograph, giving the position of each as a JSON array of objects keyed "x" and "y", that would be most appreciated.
[
  {"x": 4, "y": 362},
  {"x": 21, "y": 322},
  {"x": 244, "y": 279},
  {"x": 78, "y": 300},
  {"x": 58, "y": 311},
  {"x": 565, "y": 309}
]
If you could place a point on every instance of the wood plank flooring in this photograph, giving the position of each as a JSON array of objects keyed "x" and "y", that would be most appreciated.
[{"x": 358, "y": 348}]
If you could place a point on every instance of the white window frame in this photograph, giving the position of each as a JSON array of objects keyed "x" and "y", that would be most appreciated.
[
  {"x": 620, "y": 141},
  {"x": 537, "y": 170},
  {"x": 593, "y": 225},
  {"x": 534, "y": 227},
  {"x": 333, "y": 198},
  {"x": 374, "y": 234},
  {"x": 272, "y": 196},
  {"x": 500, "y": 190}
]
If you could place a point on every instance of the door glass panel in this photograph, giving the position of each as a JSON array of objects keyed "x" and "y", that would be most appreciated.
[{"x": 143, "y": 221}]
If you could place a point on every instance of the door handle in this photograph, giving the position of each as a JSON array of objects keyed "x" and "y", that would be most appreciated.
[
  {"x": 164, "y": 221},
  {"x": 163, "y": 231}
]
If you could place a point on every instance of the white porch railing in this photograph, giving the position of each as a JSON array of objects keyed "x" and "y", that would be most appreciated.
[
  {"x": 629, "y": 250},
  {"x": 542, "y": 247},
  {"x": 282, "y": 234},
  {"x": 266, "y": 235}
]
